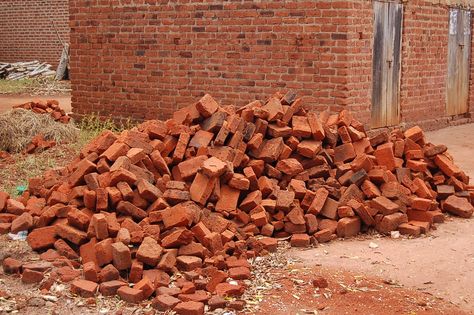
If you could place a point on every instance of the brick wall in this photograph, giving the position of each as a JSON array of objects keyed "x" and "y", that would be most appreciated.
[
  {"x": 146, "y": 60},
  {"x": 143, "y": 59},
  {"x": 26, "y": 32},
  {"x": 424, "y": 61}
]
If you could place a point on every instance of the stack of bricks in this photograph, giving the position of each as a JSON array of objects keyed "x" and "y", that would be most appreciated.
[
  {"x": 39, "y": 144},
  {"x": 176, "y": 208},
  {"x": 50, "y": 107}
]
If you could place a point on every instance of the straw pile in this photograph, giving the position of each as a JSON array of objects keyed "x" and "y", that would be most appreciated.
[{"x": 18, "y": 127}]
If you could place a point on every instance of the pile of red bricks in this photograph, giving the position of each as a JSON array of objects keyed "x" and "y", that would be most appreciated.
[
  {"x": 204, "y": 191},
  {"x": 50, "y": 107},
  {"x": 38, "y": 144}
]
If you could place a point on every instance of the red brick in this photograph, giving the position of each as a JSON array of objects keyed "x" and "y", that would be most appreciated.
[
  {"x": 216, "y": 302},
  {"x": 149, "y": 252},
  {"x": 73, "y": 235},
  {"x": 201, "y": 188},
  {"x": 384, "y": 156},
  {"x": 228, "y": 200},
  {"x": 408, "y": 229},
  {"x": 319, "y": 200},
  {"x": 391, "y": 222},
  {"x": 130, "y": 295},
  {"x": 300, "y": 240},
  {"x": 147, "y": 190},
  {"x": 458, "y": 206},
  {"x": 3, "y": 200},
  {"x": 424, "y": 226},
  {"x": 188, "y": 263},
  {"x": 84, "y": 167},
  {"x": 129, "y": 208},
  {"x": 284, "y": 200},
  {"x": 228, "y": 289},
  {"x": 15, "y": 207},
  {"x": 201, "y": 139},
  {"x": 65, "y": 250},
  {"x": 271, "y": 149},
  {"x": 290, "y": 166},
  {"x": 87, "y": 251},
  {"x": 317, "y": 130},
  {"x": 309, "y": 148},
  {"x": 108, "y": 273},
  {"x": 104, "y": 252},
  {"x": 146, "y": 286},
  {"x": 189, "y": 308},
  {"x": 320, "y": 282},
  {"x": 122, "y": 258},
  {"x": 252, "y": 200},
  {"x": 99, "y": 223},
  {"x": 84, "y": 288},
  {"x": 446, "y": 165},
  {"x": 344, "y": 153},
  {"x": 42, "y": 238},
  {"x": 122, "y": 176},
  {"x": 239, "y": 181},
  {"x": 165, "y": 302},
  {"x": 11, "y": 265},
  {"x": 68, "y": 274},
  {"x": 207, "y": 106},
  {"x": 109, "y": 288},
  {"x": 167, "y": 261},
  {"x": 115, "y": 151},
  {"x": 215, "y": 278},
  {"x": 414, "y": 133},
  {"x": 136, "y": 271},
  {"x": 348, "y": 226},
  {"x": 269, "y": 243},
  {"x": 329, "y": 209},
  {"x": 213, "y": 167},
  {"x": 384, "y": 205},
  {"x": 421, "y": 204},
  {"x": 78, "y": 219},
  {"x": 91, "y": 271}
]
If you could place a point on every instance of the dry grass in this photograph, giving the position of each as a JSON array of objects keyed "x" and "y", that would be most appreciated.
[
  {"x": 35, "y": 86},
  {"x": 33, "y": 165},
  {"x": 17, "y": 86},
  {"x": 19, "y": 126}
]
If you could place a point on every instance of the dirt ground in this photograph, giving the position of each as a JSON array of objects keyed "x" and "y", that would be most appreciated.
[{"x": 7, "y": 101}]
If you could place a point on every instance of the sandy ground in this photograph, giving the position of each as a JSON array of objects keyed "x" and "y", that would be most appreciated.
[
  {"x": 7, "y": 101},
  {"x": 459, "y": 140},
  {"x": 439, "y": 264}
]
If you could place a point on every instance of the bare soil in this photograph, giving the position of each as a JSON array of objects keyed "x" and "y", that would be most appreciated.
[{"x": 348, "y": 293}]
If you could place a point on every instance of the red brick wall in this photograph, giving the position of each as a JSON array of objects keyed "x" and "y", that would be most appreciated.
[
  {"x": 359, "y": 59},
  {"x": 146, "y": 60},
  {"x": 26, "y": 32},
  {"x": 424, "y": 61},
  {"x": 143, "y": 59}
]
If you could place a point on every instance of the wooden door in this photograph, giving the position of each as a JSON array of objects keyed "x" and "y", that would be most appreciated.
[
  {"x": 386, "y": 63},
  {"x": 459, "y": 50}
]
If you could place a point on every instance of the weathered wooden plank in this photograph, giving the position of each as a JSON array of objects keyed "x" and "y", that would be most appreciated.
[
  {"x": 394, "y": 62},
  {"x": 465, "y": 47},
  {"x": 386, "y": 63},
  {"x": 378, "y": 103},
  {"x": 459, "y": 50}
]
